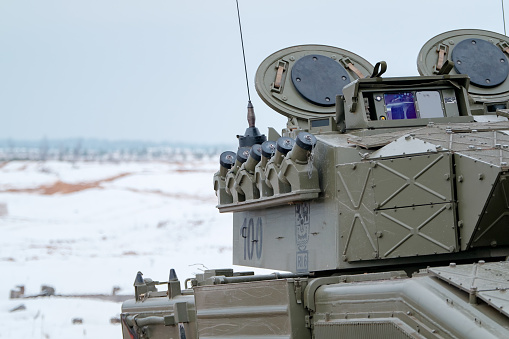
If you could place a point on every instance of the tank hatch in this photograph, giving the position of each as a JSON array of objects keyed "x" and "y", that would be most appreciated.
[
  {"x": 480, "y": 54},
  {"x": 303, "y": 81}
]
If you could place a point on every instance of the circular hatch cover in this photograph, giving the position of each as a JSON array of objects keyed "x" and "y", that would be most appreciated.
[
  {"x": 485, "y": 63},
  {"x": 319, "y": 79},
  {"x": 476, "y": 53},
  {"x": 303, "y": 81}
]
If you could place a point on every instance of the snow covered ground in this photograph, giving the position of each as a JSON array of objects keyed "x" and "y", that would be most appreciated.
[{"x": 85, "y": 228}]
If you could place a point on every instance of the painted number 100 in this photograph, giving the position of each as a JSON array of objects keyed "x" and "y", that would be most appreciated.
[{"x": 252, "y": 232}]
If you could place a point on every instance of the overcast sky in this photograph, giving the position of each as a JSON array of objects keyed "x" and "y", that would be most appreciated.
[{"x": 167, "y": 70}]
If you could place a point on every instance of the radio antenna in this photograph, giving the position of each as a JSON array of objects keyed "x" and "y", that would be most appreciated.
[
  {"x": 503, "y": 16},
  {"x": 243, "y": 53},
  {"x": 252, "y": 135}
]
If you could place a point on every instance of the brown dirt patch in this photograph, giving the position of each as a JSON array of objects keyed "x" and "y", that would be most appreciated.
[
  {"x": 190, "y": 170},
  {"x": 61, "y": 187},
  {"x": 173, "y": 195}
]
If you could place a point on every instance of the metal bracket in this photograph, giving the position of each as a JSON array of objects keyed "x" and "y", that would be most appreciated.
[
  {"x": 298, "y": 291},
  {"x": 503, "y": 113},
  {"x": 446, "y": 68},
  {"x": 442, "y": 52},
  {"x": 347, "y": 63},
  {"x": 353, "y": 107},
  {"x": 307, "y": 320},
  {"x": 340, "y": 113},
  {"x": 180, "y": 312},
  {"x": 277, "y": 85},
  {"x": 504, "y": 46}
]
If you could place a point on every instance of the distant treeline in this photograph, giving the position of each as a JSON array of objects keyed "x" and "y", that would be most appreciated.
[{"x": 104, "y": 150}]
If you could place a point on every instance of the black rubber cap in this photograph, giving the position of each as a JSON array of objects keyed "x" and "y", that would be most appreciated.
[
  {"x": 284, "y": 144},
  {"x": 227, "y": 159},
  {"x": 243, "y": 154},
  {"x": 306, "y": 141},
  {"x": 256, "y": 152},
  {"x": 268, "y": 149}
]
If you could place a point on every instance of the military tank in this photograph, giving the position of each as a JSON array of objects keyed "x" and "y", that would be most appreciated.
[{"x": 385, "y": 202}]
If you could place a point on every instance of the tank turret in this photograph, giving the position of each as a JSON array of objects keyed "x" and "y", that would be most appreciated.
[{"x": 401, "y": 171}]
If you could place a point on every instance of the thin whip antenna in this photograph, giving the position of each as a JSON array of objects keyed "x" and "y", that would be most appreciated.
[
  {"x": 503, "y": 16},
  {"x": 244, "y": 54}
]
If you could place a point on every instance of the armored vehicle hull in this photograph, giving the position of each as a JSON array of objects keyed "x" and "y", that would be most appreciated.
[
  {"x": 455, "y": 301},
  {"x": 386, "y": 198}
]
